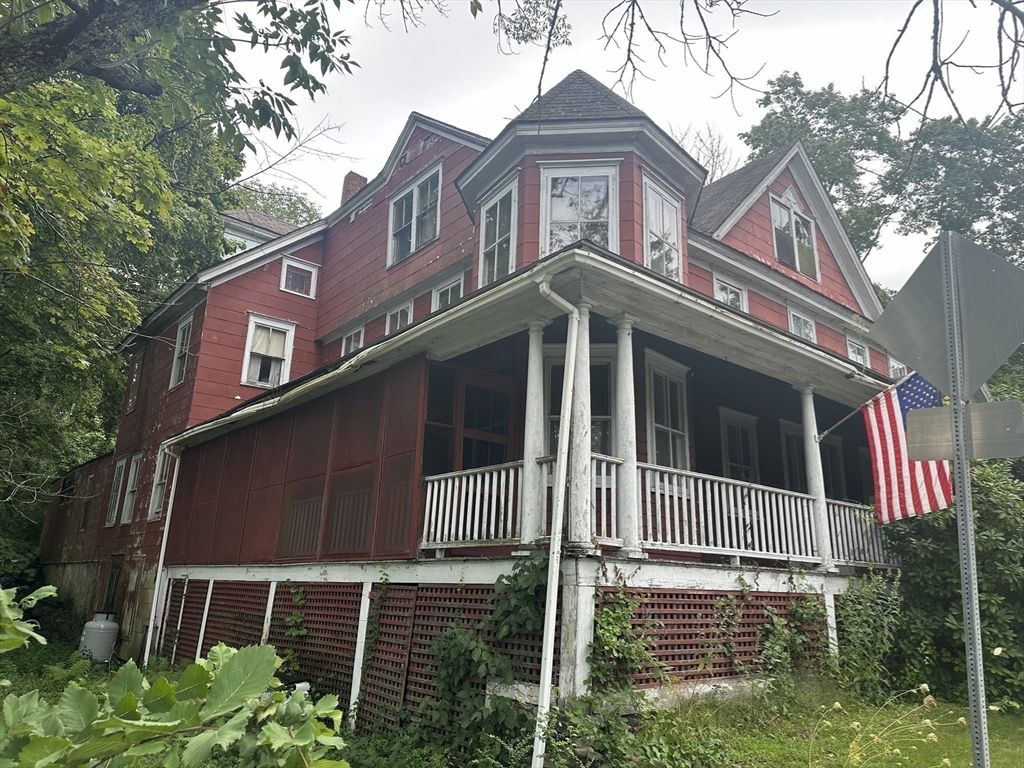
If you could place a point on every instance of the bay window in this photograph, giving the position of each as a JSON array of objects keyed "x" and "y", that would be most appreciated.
[
  {"x": 579, "y": 203},
  {"x": 498, "y": 236},
  {"x": 661, "y": 230}
]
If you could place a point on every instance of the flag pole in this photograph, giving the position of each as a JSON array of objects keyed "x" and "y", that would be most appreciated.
[{"x": 846, "y": 418}]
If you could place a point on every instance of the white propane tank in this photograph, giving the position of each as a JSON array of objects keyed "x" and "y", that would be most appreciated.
[{"x": 98, "y": 638}]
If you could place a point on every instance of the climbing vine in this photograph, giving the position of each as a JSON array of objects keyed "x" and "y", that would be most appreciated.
[
  {"x": 295, "y": 628},
  {"x": 620, "y": 648}
]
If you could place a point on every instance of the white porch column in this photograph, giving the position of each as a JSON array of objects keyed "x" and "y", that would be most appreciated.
[
  {"x": 579, "y": 445},
  {"x": 532, "y": 520},
  {"x": 628, "y": 522},
  {"x": 815, "y": 476}
]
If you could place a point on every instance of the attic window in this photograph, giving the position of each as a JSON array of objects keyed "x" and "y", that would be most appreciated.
[
  {"x": 298, "y": 277},
  {"x": 794, "y": 235},
  {"x": 415, "y": 217}
]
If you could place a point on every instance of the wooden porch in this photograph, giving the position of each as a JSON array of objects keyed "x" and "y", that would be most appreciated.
[{"x": 678, "y": 511}]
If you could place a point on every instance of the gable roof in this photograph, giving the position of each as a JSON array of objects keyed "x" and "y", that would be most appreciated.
[
  {"x": 578, "y": 97},
  {"x": 723, "y": 196},
  {"x": 259, "y": 220}
]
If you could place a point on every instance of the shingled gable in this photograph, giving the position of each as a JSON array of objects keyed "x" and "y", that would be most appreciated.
[
  {"x": 724, "y": 202},
  {"x": 579, "y": 97}
]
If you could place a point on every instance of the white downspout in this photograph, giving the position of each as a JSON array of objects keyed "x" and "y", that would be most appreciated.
[
  {"x": 557, "y": 512},
  {"x": 158, "y": 590}
]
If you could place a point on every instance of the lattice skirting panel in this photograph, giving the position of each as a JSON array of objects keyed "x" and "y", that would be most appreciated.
[{"x": 705, "y": 635}]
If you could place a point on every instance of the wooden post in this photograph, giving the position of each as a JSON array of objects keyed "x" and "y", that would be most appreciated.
[
  {"x": 532, "y": 511},
  {"x": 579, "y": 451},
  {"x": 625, "y": 439},
  {"x": 816, "y": 477}
]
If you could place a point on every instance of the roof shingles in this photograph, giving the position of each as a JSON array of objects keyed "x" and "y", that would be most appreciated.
[
  {"x": 720, "y": 198},
  {"x": 579, "y": 97}
]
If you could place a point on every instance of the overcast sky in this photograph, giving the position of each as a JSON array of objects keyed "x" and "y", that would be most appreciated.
[{"x": 450, "y": 68}]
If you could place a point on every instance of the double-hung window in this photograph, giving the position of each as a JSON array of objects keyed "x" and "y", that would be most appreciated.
[
  {"x": 858, "y": 352},
  {"x": 115, "y": 491},
  {"x": 739, "y": 445},
  {"x": 352, "y": 341},
  {"x": 730, "y": 294},
  {"x": 794, "y": 235},
  {"x": 133, "y": 383},
  {"x": 415, "y": 216},
  {"x": 447, "y": 293},
  {"x": 600, "y": 403},
  {"x": 802, "y": 326},
  {"x": 132, "y": 490},
  {"x": 156, "y": 497},
  {"x": 181, "y": 344},
  {"x": 268, "y": 351},
  {"x": 666, "y": 412},
  {"x": 579, "y": 203},
  {"x": 498, "y": 235},
  {"x": 298, "y": 277},
  {"x": 661, "y": 230},
  {"x": 897, "y": 370},
  {"x": 399, "y": 317}
]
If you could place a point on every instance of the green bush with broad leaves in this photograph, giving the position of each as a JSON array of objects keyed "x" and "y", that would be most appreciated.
[{"x": 230, "y": 701}]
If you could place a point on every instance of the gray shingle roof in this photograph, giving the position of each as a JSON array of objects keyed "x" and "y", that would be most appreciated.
[
  {"x": 579, "y": 96},
  {"x": 720, "y": 198},
  {"x": 261, "y": 220}
]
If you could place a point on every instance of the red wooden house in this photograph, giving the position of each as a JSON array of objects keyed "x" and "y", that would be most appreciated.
[{"x": 381, "y": 391}]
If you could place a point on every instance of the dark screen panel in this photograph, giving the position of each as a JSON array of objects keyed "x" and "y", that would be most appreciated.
[
  {"x": 188, "y": 473},
  {"x": 238, "y": 461},
  {"x": 351, "y": 504},
  {"x": 269, "y": 463},
  {"x": 299, "y": 534},
  {"x": 357, "y": 424},
  {"x": 403, "y": 428},
  {"x": 200, "y": 534},
  {"x": 311, "y": 439},
  {"x": 262, "y": 520},
  {"x": 177, "y": 537},
  {"x": 211, "y": 469},
  {"x": 227, "y": 531},
  {"x": 397, "y": 497}
]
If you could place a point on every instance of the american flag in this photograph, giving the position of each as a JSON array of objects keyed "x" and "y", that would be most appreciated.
[{"x": 903, "y": 488}]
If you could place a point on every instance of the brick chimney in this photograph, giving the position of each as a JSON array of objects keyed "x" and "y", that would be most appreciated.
[{"x": 353, "y": 183}]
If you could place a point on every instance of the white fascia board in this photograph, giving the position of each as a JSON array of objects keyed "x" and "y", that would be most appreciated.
[
  {"x": 781, "y": 287},
  {"x": 262, "y": 254},
  {"x": 826, "y": 216},
  {"x": 176, "y": 304}
]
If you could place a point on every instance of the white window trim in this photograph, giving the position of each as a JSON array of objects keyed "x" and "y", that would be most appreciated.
[
  {"x": 392, "y": 199},
  {"x": 814, "y": 326},
  {"x": 719, "y": 280},
  {"x": 850, "y": 344},
  {"x": 648, "y": 183},
  {"x": 554, "y": 354},
  {"x": 289, "y": 343},
  {"x": 581, "y": 168},
  {"x": 361, "y": 330},
  {"x": 182, "y": 324},
  {"x": 654, "y": 361},
  {"x": 893, "y": 373},
  {"x": 287, "y": 261},
  {"x": 156, "y": 501},
  {"x": 114, "y": 502},
  {"x": 790, "y": 200},
  {"x": 513, "y": 186},
  {"x": 391, "y": 311},
  {"x": 134, "y": 374},
  {"x": 728, "y": 416},
  {"x": 135, "y": 467},
  {"x": 435, "y": 295}
]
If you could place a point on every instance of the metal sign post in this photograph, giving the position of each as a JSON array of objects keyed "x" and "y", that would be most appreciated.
[{"x": 961, "y": 428}]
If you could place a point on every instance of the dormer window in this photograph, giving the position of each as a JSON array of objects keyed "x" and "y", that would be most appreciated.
[
  {"x": 415, "y": 217},
  {"x": 580, "y": 203},
  {"x": 794, "y": 235},
  {"x": 298, "y": 277}
]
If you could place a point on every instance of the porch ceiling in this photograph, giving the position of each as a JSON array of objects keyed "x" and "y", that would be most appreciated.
[{"x": 612, "y": 286}]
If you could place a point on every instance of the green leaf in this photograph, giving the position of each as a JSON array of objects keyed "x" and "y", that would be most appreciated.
[
  {"x": 198, "y": 750},
  {"x": 192, "y": 684},
  {"x": 43, "y": 750},
  {"x": 220, "y": 654},
  {"x": 244, "y": 676},
  {"x": 276, "y": 735},
  {"x": 127, "y": 707},
  {"x": 127, "y": 680},
  {"x": 77, "y": 709},
  {"x": 160, "y": 696}
]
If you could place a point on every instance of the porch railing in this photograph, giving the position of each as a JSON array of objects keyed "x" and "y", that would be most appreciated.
[
  {"x": 604, "y": 471},
  {"x": 683, "y": 510},
  {"x": 473, "y": 507},
  {"x": 856, "y": 535}
]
